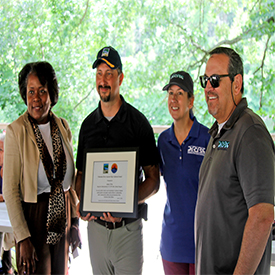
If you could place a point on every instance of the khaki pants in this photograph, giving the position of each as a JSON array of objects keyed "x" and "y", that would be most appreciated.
[{"x": 118, "y": 251}]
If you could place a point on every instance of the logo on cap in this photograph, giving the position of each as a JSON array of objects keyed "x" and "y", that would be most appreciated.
[
  {"x": 105, "y": 52},
  {"x": 110, "y": 56},
  {"x": 177, "y": 76}
]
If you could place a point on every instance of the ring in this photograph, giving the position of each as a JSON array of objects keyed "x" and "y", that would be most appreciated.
[{"x": 24, "y": 263}]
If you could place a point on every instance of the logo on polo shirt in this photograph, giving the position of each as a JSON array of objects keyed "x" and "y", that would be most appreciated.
[
  {"x": 223, "y": 145},
  {"x": 196, "y": 150}
]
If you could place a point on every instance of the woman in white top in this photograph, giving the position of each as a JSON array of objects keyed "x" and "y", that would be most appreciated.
[{"x": 38, "y": 175}]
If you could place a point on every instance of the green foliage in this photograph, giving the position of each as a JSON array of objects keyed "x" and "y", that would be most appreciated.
[{"x": 154, "y": 39}]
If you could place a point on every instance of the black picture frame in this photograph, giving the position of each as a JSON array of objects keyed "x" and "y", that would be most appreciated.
[{"x": 110, "y": 182}]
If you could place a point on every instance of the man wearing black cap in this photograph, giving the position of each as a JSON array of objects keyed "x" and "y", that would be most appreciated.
[
  {"x": 116, "y": 243},
  {"x": 182, "y": 148}
]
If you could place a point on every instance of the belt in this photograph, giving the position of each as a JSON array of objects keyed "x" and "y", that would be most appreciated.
[{"x": 115, "y": 225}]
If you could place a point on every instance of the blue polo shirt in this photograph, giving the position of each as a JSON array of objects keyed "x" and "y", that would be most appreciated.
[{"x": 180, "y": 166}]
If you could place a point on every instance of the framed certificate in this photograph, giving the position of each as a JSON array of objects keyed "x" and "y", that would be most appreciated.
[{"x": 110, "y": 182}]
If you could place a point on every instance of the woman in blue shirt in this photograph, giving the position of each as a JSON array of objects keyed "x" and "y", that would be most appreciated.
[{"x": 182, "y": 148}]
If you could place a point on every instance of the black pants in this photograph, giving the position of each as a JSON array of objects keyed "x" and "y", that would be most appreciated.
[
  {"x": 6, "y": 261},
  {"x": 52, "y": 259}
]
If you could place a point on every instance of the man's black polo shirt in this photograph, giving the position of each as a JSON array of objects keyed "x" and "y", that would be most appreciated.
[{"x": 129, "y": 128}]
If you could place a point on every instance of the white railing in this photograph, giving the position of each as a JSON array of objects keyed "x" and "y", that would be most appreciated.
[
  {"x": 157, "y": 128},
  {"x": 3, "y": 125}
]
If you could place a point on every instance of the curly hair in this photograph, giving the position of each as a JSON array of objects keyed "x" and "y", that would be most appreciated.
[{"x": 46, "y": 75}]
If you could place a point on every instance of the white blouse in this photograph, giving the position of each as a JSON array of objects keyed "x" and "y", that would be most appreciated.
[{"x": 42, "y": 180}]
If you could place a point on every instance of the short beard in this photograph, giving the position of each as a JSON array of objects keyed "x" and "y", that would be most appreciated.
[{"x": 105, "y": 98}]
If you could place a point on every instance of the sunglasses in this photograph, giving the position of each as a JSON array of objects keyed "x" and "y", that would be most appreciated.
[{"x": 214, "y": 80}]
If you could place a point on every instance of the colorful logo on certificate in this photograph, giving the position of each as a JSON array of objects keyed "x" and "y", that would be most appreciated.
[
  {"x": 105, "y": 168},
  {"x": 114, "y": 168}
]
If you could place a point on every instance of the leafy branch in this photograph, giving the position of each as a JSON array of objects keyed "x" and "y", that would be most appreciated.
[
  {"x": 262, "y": 69},
  {"x": 233, "y": 41},
  {"x": 82, "y": 100},
  {"x": 83, "y": 17}
]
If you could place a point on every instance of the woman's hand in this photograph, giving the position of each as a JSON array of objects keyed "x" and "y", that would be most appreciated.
[
  {"x": 75, "y": 237},
  {"x": 27, "y": 257}
]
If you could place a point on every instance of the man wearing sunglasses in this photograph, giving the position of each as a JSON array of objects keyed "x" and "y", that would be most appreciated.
[{"x": 235, "y": 206}]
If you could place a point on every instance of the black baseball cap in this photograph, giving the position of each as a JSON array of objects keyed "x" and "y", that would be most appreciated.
[
  {"x": 182, "y": 79},
  {"x": 109, "y": 56}
]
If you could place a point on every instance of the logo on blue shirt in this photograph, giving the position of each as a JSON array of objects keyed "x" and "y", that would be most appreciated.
[
  {"x": 196, "y": 150},
  {"x": 223, "y": 145}
]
